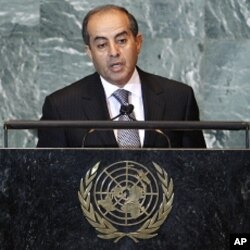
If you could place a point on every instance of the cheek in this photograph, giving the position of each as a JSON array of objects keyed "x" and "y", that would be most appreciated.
[
  {"x": 132, "y": 55},
  {"x": 97, "y": 58},
  {"x": 100, "y": 63}
]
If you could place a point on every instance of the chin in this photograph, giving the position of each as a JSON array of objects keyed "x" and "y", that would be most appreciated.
[{"x": 118, "y": 81}]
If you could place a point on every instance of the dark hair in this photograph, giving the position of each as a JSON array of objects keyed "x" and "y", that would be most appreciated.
[{"x": 132, "y": 20}]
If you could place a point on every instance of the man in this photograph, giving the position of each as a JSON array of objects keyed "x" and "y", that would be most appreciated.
[{"x": 113, "y": 43}]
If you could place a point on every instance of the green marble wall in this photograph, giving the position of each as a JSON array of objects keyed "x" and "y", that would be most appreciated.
[{"x": 204, "y": 43}]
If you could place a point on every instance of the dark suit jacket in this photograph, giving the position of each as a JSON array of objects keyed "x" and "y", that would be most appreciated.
[{"x": 163, "y": 99}]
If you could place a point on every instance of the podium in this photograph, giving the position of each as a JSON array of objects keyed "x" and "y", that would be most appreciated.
[{"x": 208, "y": 198}]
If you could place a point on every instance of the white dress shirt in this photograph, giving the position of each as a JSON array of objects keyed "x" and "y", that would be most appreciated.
[{"x": 135, "y": 98}]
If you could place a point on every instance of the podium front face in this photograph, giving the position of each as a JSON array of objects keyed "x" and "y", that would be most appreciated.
[{"x": 123, "y": 199}]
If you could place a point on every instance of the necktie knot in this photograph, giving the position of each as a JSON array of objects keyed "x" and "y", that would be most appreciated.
[{"x": 121, "y": 96}]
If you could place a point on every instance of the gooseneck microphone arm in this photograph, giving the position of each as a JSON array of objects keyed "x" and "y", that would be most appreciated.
[
  {"x": 159, "y": 131},
  {"x": 124, "y": 110}
]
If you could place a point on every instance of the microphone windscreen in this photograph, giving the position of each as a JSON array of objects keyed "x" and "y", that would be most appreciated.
[
  {"x": 126, "y": 109},
  {"x": 130, "y": 109}
]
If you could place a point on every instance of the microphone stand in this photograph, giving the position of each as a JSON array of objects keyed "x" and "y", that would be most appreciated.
[{"x": 126, "y": 110}]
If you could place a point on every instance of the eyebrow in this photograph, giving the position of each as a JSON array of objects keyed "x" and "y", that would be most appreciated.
[{"x": 105, "y": 38}]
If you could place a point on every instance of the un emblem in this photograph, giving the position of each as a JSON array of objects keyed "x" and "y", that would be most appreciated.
[{"x": 126, "y": 199}]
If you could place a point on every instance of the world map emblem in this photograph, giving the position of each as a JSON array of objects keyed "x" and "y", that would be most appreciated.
[{"x": 126, "y": 199}]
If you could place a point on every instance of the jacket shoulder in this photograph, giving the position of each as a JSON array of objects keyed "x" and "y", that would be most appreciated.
[
  {"x": 161, "y": 83},
  {"x": 76, "y": 89}
]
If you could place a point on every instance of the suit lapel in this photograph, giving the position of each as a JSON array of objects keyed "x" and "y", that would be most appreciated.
[
  {"x": 95, "y": 107},
  {"x": 154, "y": 104}
]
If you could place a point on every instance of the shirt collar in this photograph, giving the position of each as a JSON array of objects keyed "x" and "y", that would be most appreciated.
[{"x": 133, "y": 85}]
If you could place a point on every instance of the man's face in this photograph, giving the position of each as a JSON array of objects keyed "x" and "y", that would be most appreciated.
[{"x": 113, "y": 48}]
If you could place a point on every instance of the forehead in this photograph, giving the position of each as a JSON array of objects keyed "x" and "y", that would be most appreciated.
[{"x": 108, "y": 23}]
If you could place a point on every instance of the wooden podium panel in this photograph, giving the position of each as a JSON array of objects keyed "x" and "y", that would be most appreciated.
[{"x": 40, "y": 207}]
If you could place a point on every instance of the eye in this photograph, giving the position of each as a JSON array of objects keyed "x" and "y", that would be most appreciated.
[
  {"x": 122, "y": 41},
  {"x": 101, "y": 45}
]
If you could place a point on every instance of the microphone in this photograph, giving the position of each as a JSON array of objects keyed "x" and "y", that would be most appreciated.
[
  {"x": 127, "y": 109},
  {"x": 124, "y": 110}
]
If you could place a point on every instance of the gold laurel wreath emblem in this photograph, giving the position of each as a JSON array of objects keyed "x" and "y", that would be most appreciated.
[{"x": 106, "y": 229}]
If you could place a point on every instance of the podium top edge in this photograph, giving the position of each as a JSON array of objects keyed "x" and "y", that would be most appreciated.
[{"x": 98, "y": 124}]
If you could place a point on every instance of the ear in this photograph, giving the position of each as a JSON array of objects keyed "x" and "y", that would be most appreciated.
[
  {"x": 139, "y": 41},
  {"x": 88, "y": 51}
]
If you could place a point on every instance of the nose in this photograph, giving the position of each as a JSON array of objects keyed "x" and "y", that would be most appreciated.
[{"x": 113, "y": 50}]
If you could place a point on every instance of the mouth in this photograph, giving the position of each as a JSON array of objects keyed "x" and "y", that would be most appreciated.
[{"x": 116, "y": 66}]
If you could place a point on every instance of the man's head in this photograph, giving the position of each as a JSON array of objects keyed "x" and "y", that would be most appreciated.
[
  {"x": 133, "y": 23},
  {"x": 112, "y": 42}
]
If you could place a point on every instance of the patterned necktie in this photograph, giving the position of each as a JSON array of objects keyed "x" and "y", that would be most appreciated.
[{"x": 126, "y": 138}]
